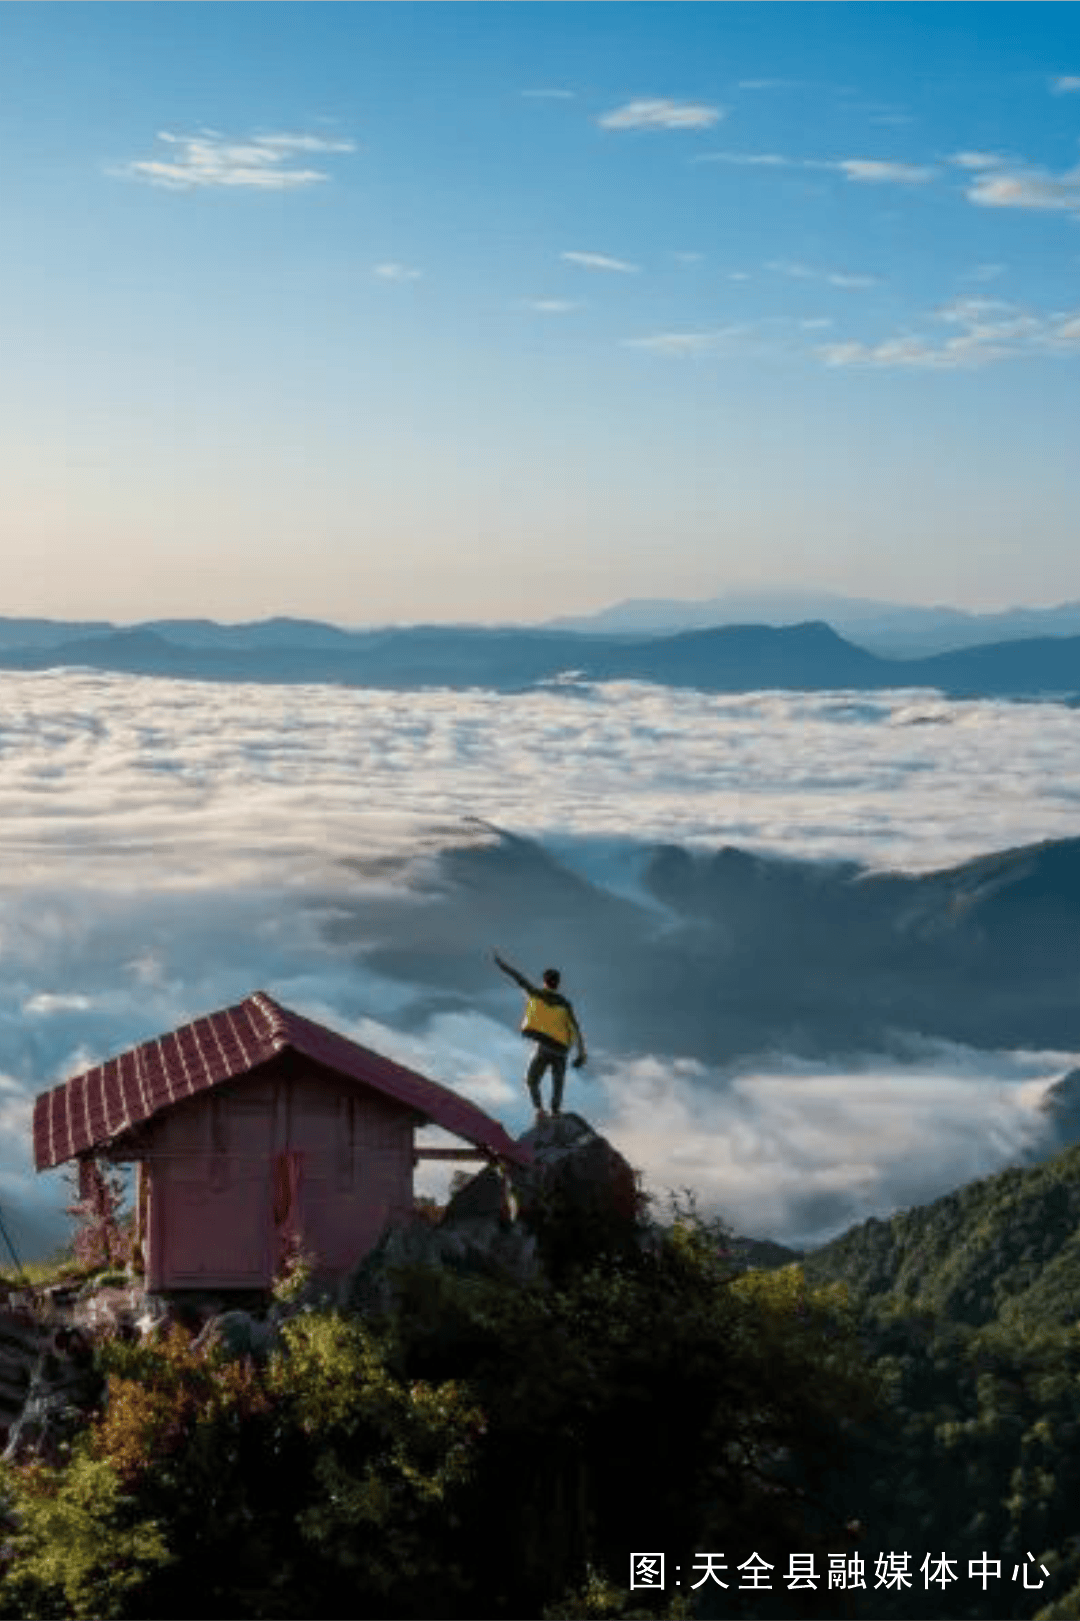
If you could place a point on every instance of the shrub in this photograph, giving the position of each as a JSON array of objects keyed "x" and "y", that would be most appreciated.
[
  {"x": 104, "y": 1236},
  {"x": 80, "y": 1546}
]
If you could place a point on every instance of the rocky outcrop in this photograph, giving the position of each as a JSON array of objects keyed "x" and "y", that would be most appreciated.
[
  {"x": 572, "y": 1169},
  {"x": 237, "y": 1334},
  {"x": 511, "y": 1224},
  {"x": 470, "y": 1245},
  {"x": 64, "y": 1389},
  {"x": 21, "y": 1341}
]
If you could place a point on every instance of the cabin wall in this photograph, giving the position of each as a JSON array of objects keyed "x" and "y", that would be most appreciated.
[{"x": 286, "y": 1155}]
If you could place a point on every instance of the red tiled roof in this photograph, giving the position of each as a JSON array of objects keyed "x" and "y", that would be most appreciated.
[{"x": 93, "y": 1108}]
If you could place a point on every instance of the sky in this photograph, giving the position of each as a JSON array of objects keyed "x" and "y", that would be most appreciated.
[
  {"x": 417, "y": 312},
  {"x": 171, "y": 847}
]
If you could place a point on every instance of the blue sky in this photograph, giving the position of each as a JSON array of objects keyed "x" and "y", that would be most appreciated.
[{"x": 496, "y": 312}]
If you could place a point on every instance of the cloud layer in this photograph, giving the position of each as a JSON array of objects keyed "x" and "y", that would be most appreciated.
[{"x": 171, "y": 847}]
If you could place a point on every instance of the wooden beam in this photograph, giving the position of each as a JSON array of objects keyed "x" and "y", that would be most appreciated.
[{"x": 450, "y": 1153}]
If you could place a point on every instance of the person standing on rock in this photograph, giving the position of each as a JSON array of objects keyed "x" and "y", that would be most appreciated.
[{"x": 550, "y": 1022}]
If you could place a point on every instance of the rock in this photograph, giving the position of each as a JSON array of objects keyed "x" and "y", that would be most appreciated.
[
  {"x": 578, "y": 1195},
  {"x": 576, "y": 1166},
  {"x": 572, "y": 1166},
  {"x": 64, "y": 1388},
  {"x": 483, "y": 1197},
  {"x": 237, "y": 1334},
  {"x": 20, "y": 1349},
  {"x": 575, "y": 1197},
  {"x": 468, "y": 1246},
  {"x": 574, "y": 1173},
  {"x": 111, "y": 1311},
  {"x": 192, "y": 1309}
]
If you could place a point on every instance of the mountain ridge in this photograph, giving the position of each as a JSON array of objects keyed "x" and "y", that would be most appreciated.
[
  {"x": 809, "y": 656},
  {"x": 892, "y": 629}
]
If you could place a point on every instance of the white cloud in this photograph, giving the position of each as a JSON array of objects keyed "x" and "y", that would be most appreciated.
[
  {"x": 549, "y": 95},
  {"x": 552, "y": 306},
  {"x": 866, "y": 171},
  {"x": 749, "y": 160},
  {"x": 1027, "y": 187},
  {"x": 46, "y": 1002},
  {"x": 798, "y": 271},
  {"x": 599, "y": 261},
  {"x": 872, "y": 171},
  {"x": 208, "y": 159},
  {"x": 1066, "y": 84},
  {"x": 988, "y": 330},
  {"x": 799, "y": 1152},
  {"x": 661, "y": 114},
  {"x": 977, "y": 160},
  {"x": 687, "y": 343},
  {"x": 390, "y": 270}
]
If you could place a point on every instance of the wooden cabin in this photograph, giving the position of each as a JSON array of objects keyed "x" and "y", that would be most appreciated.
[{"x": 255, "y": 1129}]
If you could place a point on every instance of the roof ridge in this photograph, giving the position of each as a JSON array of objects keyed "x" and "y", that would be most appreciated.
[{"x": 273, "y": 1014}]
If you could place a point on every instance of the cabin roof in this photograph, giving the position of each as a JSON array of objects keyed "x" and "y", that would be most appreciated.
[{"x": 93, "y": 1108}]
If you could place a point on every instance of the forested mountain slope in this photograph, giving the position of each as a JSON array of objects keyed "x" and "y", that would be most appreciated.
[{"x": 1006, "y": 1246}]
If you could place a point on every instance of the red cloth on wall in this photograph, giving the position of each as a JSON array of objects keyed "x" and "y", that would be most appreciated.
[
  {"x": 285, "y": 1203},
  {"x": 286, "y": 1186}
]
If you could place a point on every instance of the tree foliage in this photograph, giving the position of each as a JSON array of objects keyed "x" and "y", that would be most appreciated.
[{"x": 485, "y": 1450}]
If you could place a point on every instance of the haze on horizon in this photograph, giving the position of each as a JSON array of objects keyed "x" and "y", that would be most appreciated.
[{"x": 360, "y": 313}]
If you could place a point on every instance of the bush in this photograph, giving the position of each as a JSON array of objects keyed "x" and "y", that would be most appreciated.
[
  {"x": 317, "y": 1485},
  {"x": 79, "y": 1545},
  {"x": 104, "y": 1236},
  {"x": 487, "y": 1450}
]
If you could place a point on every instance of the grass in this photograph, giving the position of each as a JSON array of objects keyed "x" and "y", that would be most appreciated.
[{"x": 56, "y": 1268}]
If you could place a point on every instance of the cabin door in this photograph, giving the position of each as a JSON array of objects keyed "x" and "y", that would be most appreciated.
[{"x": 212, "y": 1212}]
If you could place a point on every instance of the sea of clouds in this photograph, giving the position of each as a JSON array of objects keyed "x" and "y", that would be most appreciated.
[{"x": 169, "y": 847}]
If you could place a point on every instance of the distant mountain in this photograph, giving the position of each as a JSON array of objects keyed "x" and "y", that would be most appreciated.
[
  {"x": 741, "y": 658},
  {"x": 264, "y": 634},
  {"x": 828, "y": 961},
  {"x": 891, "y": 629},
  {"x": 735, "y": 658},
  {"x": 50, "y": 632}
]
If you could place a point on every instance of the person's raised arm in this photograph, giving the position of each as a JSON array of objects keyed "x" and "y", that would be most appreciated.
[{"x": 513, "y": 974}]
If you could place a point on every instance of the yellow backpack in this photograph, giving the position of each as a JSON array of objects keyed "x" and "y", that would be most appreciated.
[{"x": 547, "y": 1021}]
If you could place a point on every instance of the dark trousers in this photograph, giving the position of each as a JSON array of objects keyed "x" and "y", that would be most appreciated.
[{"x": 547, "y": 1058}]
